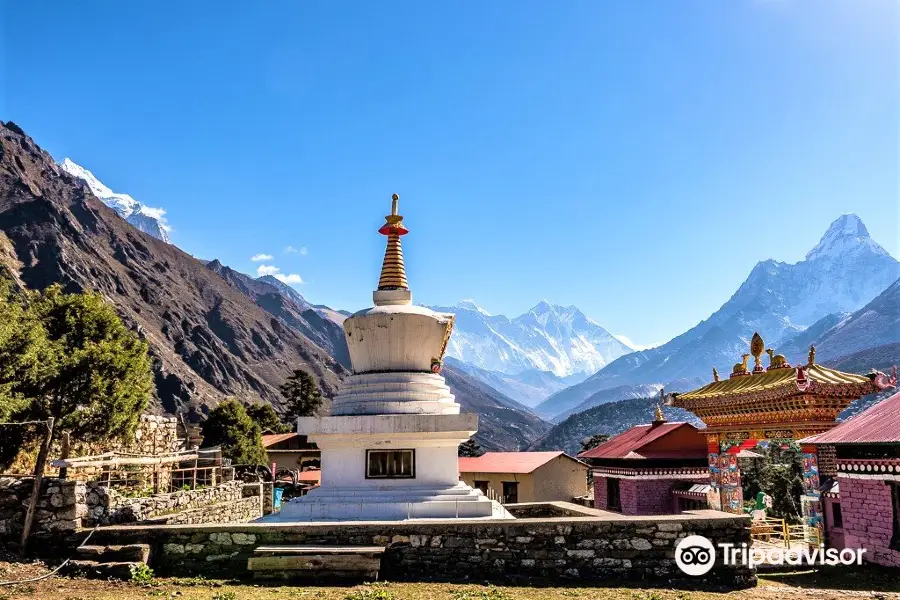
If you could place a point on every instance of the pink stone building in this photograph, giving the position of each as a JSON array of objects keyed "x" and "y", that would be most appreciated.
[
  {"x": 653, "y": 469},
  {"x": 861, "y": 499}
]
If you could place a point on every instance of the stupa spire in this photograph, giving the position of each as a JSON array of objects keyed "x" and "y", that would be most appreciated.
[{"x": 393, "y": 287}]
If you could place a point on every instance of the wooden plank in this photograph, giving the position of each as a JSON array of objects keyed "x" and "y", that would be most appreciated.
[
  {"x": 322, "y": 563},
  {"x": 319, "y": 550}
]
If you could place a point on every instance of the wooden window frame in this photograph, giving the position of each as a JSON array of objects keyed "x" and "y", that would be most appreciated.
[{"x": 412, "y": 451}]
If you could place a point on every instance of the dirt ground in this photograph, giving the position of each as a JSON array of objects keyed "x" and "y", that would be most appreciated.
[{"x": 825, "y": 584}]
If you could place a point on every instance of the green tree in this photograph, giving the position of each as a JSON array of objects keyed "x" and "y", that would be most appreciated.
[
  {"x": 84, "y": 367},
  {"x": 594, "y": 441},
  {"x": 267, "y": 419},
  {"x": 301, "y": 394},
  {"x": 470, "y": 448},
  {"x": 23, "y": 348},
  {"x": 230, "y": 427}
]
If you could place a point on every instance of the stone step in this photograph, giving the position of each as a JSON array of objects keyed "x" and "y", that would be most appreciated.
[
  {"x": 321, "y": 562},
  {"x": 91, "y": 569},
  {"x": 132, "y": 553}
]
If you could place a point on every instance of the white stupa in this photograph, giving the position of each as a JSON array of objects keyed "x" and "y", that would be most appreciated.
[{"x": 389, "y": 452}]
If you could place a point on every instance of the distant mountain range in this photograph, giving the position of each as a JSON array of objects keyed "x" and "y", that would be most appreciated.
[
  {"x": 845, "y": 271},
  {"x": 142, "y": 217}
]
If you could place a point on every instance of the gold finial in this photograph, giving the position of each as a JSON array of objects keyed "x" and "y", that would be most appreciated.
[
  {"x": 715, "y": 374},
  {"x": 756, "y": 349},
  {"x": 393, "y": 271},
  {"x": 812, "y": 355},
  {"x": 659, "y": 416},
  {"x": 771, "y": 353}
]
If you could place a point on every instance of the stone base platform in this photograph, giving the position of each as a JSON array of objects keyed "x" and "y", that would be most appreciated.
[{"x": 341, "y": 503}]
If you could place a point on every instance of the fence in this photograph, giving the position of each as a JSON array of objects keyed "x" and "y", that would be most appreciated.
[{"x": 778, "y": 533}]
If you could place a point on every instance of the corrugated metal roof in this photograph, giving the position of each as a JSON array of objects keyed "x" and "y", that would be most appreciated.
[
  {"x": 275, "y": 438},
  {"x": 879, "y": 424},
  {"x": 629, "y": 443},
  {"x": 507, "y": 462}
]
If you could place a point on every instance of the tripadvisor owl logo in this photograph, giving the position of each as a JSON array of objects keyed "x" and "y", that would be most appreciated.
[{"x": 695, "y": 555}]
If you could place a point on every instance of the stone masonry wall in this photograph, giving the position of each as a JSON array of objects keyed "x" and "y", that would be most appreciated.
[
  {"x": 236, "y": 511},
  {"x": 60, "y": 507},
  {"x": 867, "y": 513},
  {"x": 640, "y": 548},
  {"x": 107, "y": 506},
  {"x": 67, "y": 505},
  {"x": 600, "y": 493}
]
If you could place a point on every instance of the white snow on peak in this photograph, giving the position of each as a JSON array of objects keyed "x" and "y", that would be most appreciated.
[
  {"x": 148, "y": 219},
  {"x": 846, "y": 234},
  {"x": 637, "y": 347},
  {"x": 470, "y": 304}
]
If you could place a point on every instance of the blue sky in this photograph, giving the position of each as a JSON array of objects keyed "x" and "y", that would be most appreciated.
[{"x": 635, "y": 159}]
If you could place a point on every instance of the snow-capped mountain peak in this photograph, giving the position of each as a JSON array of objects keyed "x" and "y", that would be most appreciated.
[
  {"x": 147, "y": 219},
  {"x": 846, "y": 234},
  {"x": 548, "y": 337},
  {"x": 469, "y": 304}
]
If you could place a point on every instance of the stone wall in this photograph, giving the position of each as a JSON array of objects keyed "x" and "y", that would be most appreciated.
[
  {"x": 540, "y": 510},
  {"x": 60, "y": 507},
  {"x": 107, "y": 506},
  {"x": 67, "y": 505},
  {"x": 587, "y": 549},
  {"x": 246, "y": 509},
  {"x": 867, "y": 513}
]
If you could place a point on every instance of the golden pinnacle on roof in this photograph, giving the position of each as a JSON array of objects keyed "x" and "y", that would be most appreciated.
[
  {"x": 659, "y": 414},
  {"x": 393, "y": 271},
  {"x": 812, "y": 355},
  {"x": 715, "y": 374},
  {"x": 756, "y": 349}
]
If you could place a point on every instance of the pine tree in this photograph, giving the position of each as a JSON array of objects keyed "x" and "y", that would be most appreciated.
[
  {"x": 301, "y": 394},
  {"x": 267, "y": 419},
  {"x": 230, "y": 427},
  {"x": 594, "y": 441},
  {"x": 75, "y": 361},
  {"x": 470, "y": 448}
]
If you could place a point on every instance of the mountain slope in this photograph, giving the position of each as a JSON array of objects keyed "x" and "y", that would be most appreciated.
[
  {"x": 208, "y": 339},
  {"x": 875, "y": 324},
  {"x": 528, "y": 387},
  {"x": 612, "y": 418},
  {"x": 144, "y": 218},
  {"x": 561, "y": 340},
  {"x": 325, "y": 333},
  {"x": 503, "y": 424},
  {"x": 846, "y": 270}
]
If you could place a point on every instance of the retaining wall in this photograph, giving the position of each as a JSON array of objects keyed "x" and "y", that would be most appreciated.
[{"x": 570, "y": 548}]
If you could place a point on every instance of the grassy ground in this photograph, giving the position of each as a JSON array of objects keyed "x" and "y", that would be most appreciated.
[{"x": 827, "y": 584}]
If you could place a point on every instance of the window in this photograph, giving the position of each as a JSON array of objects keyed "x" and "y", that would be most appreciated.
[
  {"x": 390, "y": 464},
  {"x": 613, "y": 500},
  {"x": 510, "y": 492},
  {"x": 481, "y": 485},
  {"x": 837, "y": 519}
]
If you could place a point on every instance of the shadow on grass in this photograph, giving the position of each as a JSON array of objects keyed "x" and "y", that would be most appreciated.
[{"x": 867, "y": 577}]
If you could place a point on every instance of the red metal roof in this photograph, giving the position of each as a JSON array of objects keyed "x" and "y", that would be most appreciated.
[
  {"x": 633, "y": 444},
  {"x": 312, "y": 475},
  {"x": 879, "y": 424},
  {"x": 507, "y": 462},
  {"x": 275, "y": 438}
]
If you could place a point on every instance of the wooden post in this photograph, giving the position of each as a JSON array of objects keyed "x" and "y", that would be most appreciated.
[
  {"x": 64, "y": 454},
  {"x": 36, "y": 488},
  {"x": 194, "y": 476}
]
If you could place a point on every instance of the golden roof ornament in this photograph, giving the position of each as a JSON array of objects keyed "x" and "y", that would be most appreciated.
[
  {"x": 756, "y": 349},
  {"x": 740, "y": 368},
  {"x": 777, "y": 361},
  {"x": 715, "y": 374},
  {"x": 812, "y": 355},
  {"x": 659, "y": 415},
  {"x": 393, "y": 287}
]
